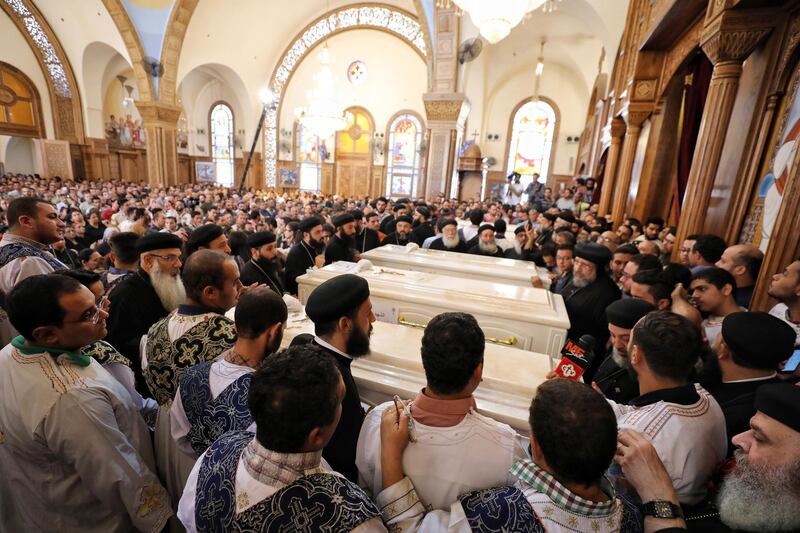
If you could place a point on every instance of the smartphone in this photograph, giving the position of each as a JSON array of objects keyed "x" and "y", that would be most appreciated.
[{"x": 793, "y": 362}]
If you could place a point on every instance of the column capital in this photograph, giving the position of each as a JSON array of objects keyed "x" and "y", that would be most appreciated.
[
  {"x": 158, "y": 113},
  {"x": 617, "y": 129},
  {"x": 733, "y": 35},
  {"x": 448, "y": 110}
]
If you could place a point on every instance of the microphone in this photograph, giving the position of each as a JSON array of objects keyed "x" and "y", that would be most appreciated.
[{"x": 576, "y": 357}]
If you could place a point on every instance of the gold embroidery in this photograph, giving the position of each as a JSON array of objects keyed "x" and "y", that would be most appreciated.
[
  {"x": 595, "y": 526},
  {"x": 548, "y": 511},
  {"x": 573, "y": 522},
  {"x": 151, "y": 497},
  {"x": 45, "y": 364},
  {"x": 242, "y": 501}
]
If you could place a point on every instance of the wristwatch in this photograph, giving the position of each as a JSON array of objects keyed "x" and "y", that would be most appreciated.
[{"x": 662, "y": 509}]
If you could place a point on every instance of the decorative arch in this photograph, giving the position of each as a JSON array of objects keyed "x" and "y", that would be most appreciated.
[
  {"x": 131, "y": 39},
  {"x": 64, "y": 95},
  {"x": 552, "y": 139},
  {"x": 397, "y": 170},
  {"x": 20, "y": 104},
  {"x": 392, "y": 20},
  {"x": 179, "y": 20}
]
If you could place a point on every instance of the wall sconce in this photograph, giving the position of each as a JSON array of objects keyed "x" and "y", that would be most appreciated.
[
  {"x": 573, "y": 139},
  {"x": 493, "y": 137}
]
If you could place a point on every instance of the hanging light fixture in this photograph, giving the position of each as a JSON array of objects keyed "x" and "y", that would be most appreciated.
[
  {"x": 539, "y": 71},
  {"x": 496, "y": 19},
  {"x": 324, "y": 116}
]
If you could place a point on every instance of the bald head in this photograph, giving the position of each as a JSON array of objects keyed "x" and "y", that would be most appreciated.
[
  {"x": 649, "y": 247},
  {"x": 610, "y": 240},
  {"x": 743, "y": 261}
]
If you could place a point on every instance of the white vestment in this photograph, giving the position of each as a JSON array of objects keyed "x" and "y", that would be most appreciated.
[
  {"x": 691, "y": 440},
  {"x": 475, "y": 454},
  {"x": 76, "y": 454}
]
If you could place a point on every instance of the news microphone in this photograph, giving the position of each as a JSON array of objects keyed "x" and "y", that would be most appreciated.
[{"x": 576, "y": 357}]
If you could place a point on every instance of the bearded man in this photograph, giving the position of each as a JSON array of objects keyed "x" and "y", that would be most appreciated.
[
  {"x": 144, "y": 298},
  {"x": 307, "y": 253},
  {"x": 342, "y": 244},
  {"x": 448, "y": 241},
  {"x": 402, "y": 233},
  {"x": 342, "y": 314},
  {"x": 487, "y": 245},
  {"x": 264, "y": 265}
]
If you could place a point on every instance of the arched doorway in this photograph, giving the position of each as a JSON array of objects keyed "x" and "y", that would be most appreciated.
[{"x": 354, "y": 153}]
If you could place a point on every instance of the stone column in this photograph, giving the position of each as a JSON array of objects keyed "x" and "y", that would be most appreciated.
[
  {"x": 446, "y": 114},
  {"x": 161, "y": 127},
  {"x": 616, "y": 129},
  {"x": 623, "y": 182},
  {"x": 727, "y": 41}
]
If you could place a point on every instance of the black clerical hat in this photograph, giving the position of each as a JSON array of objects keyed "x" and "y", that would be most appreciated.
[
  {"x": 626, "y": 313},
  {"x": 780, "y": 401},
  {"x": 336, "y": 297},
  {"x": 158, "y": 241},
  {"x": 342, "y": 219},
  {"x": 260, "y": 238},
  {"x": 758, "y": 340},
  {"x": 404, "y": 218},
  {"x": 307, "y": 224},
  {"x": 203, "y": 235},
  {"x": 596, "y": 253}
]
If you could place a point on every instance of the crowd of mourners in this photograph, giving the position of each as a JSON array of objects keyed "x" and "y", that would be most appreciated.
[{"x": 148, "y": 382}]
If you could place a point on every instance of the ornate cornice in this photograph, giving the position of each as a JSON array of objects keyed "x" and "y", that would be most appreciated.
[
  {"x": 733, "y": 35},
  {"x": 157, "y": 112}
]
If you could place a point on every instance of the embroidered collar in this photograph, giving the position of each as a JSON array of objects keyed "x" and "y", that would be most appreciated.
[
  {"x": 19, "y": 239},
  {"x": 276, "y": 468},
  {"x": 683, "y": 395},
  {"x": 76, "y": 357},
  {"x": 530, "y": 473},
  {"x": 195, "y": 310}
]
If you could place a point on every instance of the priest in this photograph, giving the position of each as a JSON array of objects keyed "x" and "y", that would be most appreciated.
[
  {"x": 341, "y": 247},
  {"x": 342, "y": 314},
  {"x": 402, "y": 234},
  {"x": 144, "y": 298},
  {"x": 210, "y": 236},
  {"x": 307, "y": 253},
  {"x": 449, "y": 240},
  {"x": 486, "y": 243},
  {"x": 263, "y": 268}
]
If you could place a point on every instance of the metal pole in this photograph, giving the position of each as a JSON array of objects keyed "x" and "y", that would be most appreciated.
[{"x": 252, "y": 149}]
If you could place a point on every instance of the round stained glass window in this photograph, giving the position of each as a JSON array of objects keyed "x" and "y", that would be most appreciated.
[{"x": 357, "y": 72}]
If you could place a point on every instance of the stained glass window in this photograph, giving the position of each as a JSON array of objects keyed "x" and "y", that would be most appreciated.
[
  {"x": 222, "y": 143},
  {"x": 531, "y": 140},
  {"x": 309, "y": 159},
  {"x": 405, "y": 141}
]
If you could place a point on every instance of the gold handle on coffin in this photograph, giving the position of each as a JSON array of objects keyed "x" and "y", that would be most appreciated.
[
  {"x": 511, "y": 341},
  {"x": 402, "y": 320}
]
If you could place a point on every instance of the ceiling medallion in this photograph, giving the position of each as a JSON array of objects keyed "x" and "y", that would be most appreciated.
[{"x": 357, "y": 72}]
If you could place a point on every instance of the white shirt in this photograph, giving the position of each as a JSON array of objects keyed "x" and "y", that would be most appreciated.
[
  {"x": 782, "y": 311},
  {"x": 445, "y": 461},
  {"x": 691, "y": 440},
  {"x": 220, "y": 376}
]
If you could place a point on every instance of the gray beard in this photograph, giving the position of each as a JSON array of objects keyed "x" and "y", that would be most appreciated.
[
  {"x": 518, "y": 248},
  {"x": 581, "y": 282},
  {"x": 620, "y": 359},
  {"x": 754, "y": 498},
  {"x": 487, "y": 247},
  {"x": 450, "y": 243},
  {"x": 170, "y": 289}
]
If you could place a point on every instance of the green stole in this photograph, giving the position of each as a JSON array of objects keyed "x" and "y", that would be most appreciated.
[{"x": 78, "y": 358}]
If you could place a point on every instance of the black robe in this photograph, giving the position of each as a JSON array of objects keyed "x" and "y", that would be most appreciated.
[
  {"x": 438, "y": 244},
  {"x": 738, "y": 404},
  {"x": 394, "y": 238},
  {"x": 526, "y": 255},
  {"x": 301, "y": 258},
  {"x": 476, "y": 250},
  {"x": 341, "y": 449},
  {"x": 253, "y": 272},
  {"x": 367, "y": 240},
  {"x": 338, "y": 250},
  {"x": 422, "y": 232},
  {"x": 135, "y": 307},
  {"x": 616, "y": 382},
  {"x": 586, "y": 308}
]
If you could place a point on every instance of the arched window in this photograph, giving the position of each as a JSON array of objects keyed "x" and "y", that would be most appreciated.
[
  {"x": 403, "y": 168},
  {"x": 20, "y": 110},
  {"x": 532, "y": 130},
  {"x": 309, "y": 158},
  {"x": 222, "y": 142}
]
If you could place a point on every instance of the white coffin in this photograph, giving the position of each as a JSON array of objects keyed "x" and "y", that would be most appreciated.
[
  {"x": 510, "y": 377},
  {"x": 521, "y": 317},
  {"x": 470, "y": 266}
]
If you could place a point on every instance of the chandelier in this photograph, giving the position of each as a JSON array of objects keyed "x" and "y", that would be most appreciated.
[
  {"x": 497, "y": 18},
  {"x": 324, "y": 116}
]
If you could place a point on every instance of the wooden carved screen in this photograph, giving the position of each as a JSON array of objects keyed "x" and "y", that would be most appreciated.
[{"x": 354, "y": 154}]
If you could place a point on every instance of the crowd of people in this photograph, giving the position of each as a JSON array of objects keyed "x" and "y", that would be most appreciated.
[{"x": 145, "y": 387}]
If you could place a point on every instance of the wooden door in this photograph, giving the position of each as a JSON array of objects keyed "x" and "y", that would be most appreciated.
[{"x": 354, "y": 154}]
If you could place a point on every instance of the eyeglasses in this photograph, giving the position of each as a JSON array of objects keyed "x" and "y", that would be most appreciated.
[
  {"x": 171, "y": 258},
  {"x": 92, "y": 315}
]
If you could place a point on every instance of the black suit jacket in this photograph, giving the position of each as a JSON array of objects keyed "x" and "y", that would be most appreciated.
[
  {"x": 367, "y": 240},
  {"x": 341, "y": 449}
]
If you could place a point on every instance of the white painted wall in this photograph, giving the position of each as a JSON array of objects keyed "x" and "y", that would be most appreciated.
[
  {"x": 396, "y": 79},
  {"x": 558, "y": 84},
  {"x": 15, "y": 51}
]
